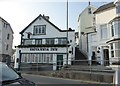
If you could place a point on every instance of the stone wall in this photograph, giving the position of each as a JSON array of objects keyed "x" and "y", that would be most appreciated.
[{"x": 86, "y": 76}]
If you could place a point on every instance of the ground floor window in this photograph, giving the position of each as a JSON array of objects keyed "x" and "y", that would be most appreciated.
[
  {"x": 37, "y": 58},
  {"x": 115, "y": 49}
]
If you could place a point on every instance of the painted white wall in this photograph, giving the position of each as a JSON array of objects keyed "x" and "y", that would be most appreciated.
[
  {"x": 85, "y": 21},
  {"x": 105, "y": 16},
  {"x": 51, "y": 32},
  {"x": 102, "y": 18}
]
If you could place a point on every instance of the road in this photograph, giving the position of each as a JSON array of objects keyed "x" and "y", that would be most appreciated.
[{"x": 50, "y": 80}]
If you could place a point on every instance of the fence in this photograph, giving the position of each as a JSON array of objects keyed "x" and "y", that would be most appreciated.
[{"x": 78, "y": 65}]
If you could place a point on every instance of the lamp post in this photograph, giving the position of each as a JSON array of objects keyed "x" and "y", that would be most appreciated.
[{"x": 67, "y": 34}]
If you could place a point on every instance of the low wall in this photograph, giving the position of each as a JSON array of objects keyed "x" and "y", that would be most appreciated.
[{"x": 79, "y": 75}]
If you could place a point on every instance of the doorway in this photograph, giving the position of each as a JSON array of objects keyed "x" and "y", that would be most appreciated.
[
  {"x": 106, "y": 57},
  {"x": 59, "y": 61}
]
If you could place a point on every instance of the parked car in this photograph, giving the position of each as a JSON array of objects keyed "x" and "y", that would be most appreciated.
[{"x": 9, "y": 77}]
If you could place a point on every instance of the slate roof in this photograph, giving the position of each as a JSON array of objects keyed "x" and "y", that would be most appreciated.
[
  {"x": 47, "y": 21},
  {"x": 104, "y": 7}
]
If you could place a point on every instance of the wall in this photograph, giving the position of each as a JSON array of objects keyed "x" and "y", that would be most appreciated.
[{"x": 84, "y": 22}]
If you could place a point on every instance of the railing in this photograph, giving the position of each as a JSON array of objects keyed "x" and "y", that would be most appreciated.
[
  {"x": 92, "y": 67},
  {"x": 74, "y": 65},
  {"x": 47, "y": 41}
]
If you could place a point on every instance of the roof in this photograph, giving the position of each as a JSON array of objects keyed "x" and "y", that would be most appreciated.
[
  {"x": 115, "y": 19},
  {"x": 104, "y": 7},
  {"x": 116, "y": 39},
  {"x": 89, "y": 6},
  {"x": 6, "y": 23},
  {"x": 46, "y": 21}
]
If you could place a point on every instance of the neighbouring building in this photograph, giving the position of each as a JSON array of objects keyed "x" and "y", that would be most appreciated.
[
  {"x": 85, "y": 24},
  {"x": 43, "y": 43},
  {"x": 6, "y": 41},
  {"x": 105, "y": 41}
]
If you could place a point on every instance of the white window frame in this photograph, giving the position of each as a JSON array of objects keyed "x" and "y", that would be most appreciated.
[
  {"x": 104, "y": 35},
  {"x": 39, "y": 30}
]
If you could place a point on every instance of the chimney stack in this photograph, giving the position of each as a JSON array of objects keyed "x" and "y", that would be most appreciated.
[
  {"x": 89, "y": 2},
  {"x": 46, "y": 17}
]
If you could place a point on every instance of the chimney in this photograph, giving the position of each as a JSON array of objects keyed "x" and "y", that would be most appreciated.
[
  {"x": 89, "y": 3},
  {"x": 46, "y": 17}
]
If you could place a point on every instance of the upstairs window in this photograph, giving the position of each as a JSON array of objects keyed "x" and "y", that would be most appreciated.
[
  {"x": 39, "y": 30},
  {"x": 104, "y": 33},
  {"x": 4, "y": 25},
  {"x": 89, "y": 11},
  {"x": 38, "y": 41},
  {"x": 7, "y": 47},
  {"x": 62, "y": 41},
  {"x": 112, "y": 30},
  {"x": 28, "y": 35},
  {"x": 117, "y": 28},
  {"x": 49, "y": 41},
  {"x": 118, "y": 9},
  {"x": 8, "y": 36}
]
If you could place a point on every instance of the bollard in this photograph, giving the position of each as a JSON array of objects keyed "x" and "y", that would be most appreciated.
[{"x": 117, "y": 77}]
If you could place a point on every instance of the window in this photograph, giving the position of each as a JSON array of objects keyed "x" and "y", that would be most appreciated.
[
  {"x": 70, "y": 40},
  {"x": 28, "y": 35},
  {"x": 7, "y": 47},
  {"x": 40, "y": 58},
  {"x": 112, "y": 53},
  {"x": 37, "y": 58},
  {"x": 112, "y": 50},
  {"x": 111, "y": 46},
  {"x": 39, "y": 30},
  {"x": 117, "y": 28},
  {"x": 62, "y": 41},
  {"x": 93, "y": 38},
  {"x": 38, "y": 41},
  {"x": 4, "y": 25},
  {"x": 49, "y": 41},
  {"x": 27, "y": 42},
  {"x": 117, "y": 53},
  {"x": 8, "y": 36},
  {"x": 117, "y": 45},
  {"x": 118, "y": 9},
  {"x": 89, "y": 11},
  {"x": 104, "y": 33},
  {"x": 112, "y": 30}
]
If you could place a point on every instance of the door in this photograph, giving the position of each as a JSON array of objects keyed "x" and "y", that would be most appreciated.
[
  {"x": 106, "y": 57},
  {"x": 59, "y": 61}
]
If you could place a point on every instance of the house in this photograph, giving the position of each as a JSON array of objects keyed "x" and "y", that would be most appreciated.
[
  {"x": 85, "y": 24},
  {"x": 44, "y": 43},
  {"x": 105, "y": 41},
  {"x": 6, "y": 40}
]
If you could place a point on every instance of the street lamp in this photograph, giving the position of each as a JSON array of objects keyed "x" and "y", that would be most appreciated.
[{"x": 67, "y": 34}]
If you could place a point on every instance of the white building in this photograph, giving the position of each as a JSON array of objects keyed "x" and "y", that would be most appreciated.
[
  {"x": 105, "y": 42},
  {"x": 6, "y": 40},
  {"x": 85, "y": 22},
  {"x": 44, "y": 43}
]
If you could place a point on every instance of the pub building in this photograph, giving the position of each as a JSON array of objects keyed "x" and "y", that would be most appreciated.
[{"x": 44, "y": 44}]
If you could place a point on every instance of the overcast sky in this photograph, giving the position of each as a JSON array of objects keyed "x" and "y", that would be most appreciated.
[{"x": 19, "y": 13}]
